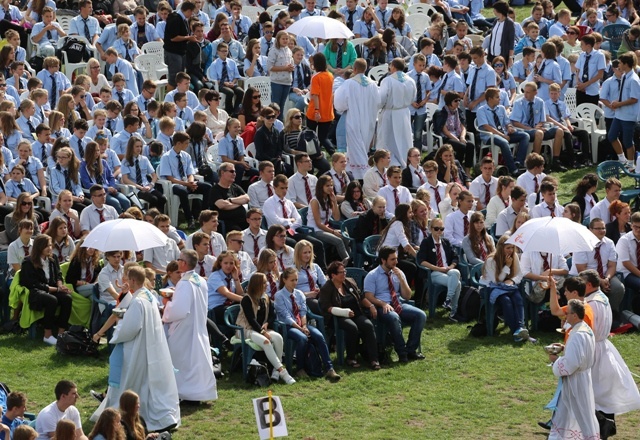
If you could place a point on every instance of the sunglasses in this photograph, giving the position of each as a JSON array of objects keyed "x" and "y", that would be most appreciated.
[
  {"x": 3, "y": 85},
  {"x": 270, "y": 117},
  {"x": 26, "y": 204},
  {"x": 256, "y": 97},
  {"x": 438, "y": 229},
  {"x": 297, "y": 117},
  {"x": 239, "y": 241},
  {"x": 498, "y": 65}
]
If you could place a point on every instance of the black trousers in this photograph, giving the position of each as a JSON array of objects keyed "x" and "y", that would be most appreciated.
[
  {"x": 229, "y": 93},
  {"x": 215, "y": 335},
  {"x": 583, "y": 98},
  {"x": 154, "y": 197},
  {"x": 356, "y": 328},
  {"x": 49, "y": 302},
  {"x": 583, "y": 138},
  {"x": 464, "y": 151},
  {"x": 182, "y": 192},
  {"x": 324, "y": 129}
]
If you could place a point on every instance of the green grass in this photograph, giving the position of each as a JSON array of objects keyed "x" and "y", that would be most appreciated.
[{"x": 467, "y": 388}]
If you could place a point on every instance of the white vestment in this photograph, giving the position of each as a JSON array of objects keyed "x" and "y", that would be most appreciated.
[
  {"x": 359, "y": 95},
  {"x": 397, "y": 92},
  {"x": 575, "y": 416},
  {"x": 186, "y": 316},
  {"x": 614, "y": 389},
  {"x": 146, "y": 364}
]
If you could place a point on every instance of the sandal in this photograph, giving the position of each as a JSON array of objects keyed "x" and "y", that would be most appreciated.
[
  {"x": 375, "y": 365},
  {"x": 353, "y": 363}
]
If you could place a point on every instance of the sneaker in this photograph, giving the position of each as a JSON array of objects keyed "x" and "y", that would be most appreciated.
[
  {"x": 286, "y": 377},
  {"x": 447, "y": 304},
  {"x": 522, "y": 334},
  {"x": 192, "y": 224},
  {"x": 275, "y": 375},
  {"x": 96, "y": 395},
  {"x": 630, "y": 165},
  {"x": 452, "y": 318},
  {"x": 332, "y": 375},
  {"x": 51, "y": 340},
  {"x": 545, "y": 425}
]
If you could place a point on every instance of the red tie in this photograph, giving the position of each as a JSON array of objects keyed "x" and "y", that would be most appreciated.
[
  {"x": 256, "y": 248},
  {"x": 535, "y": 181},
  {"x": 26, "y": 250},
  {"x": 211, "y": 250},
  {"x": 638, "y": 254},
  {"x": 307, "y": 189},
  {"x": 88, "y": 276},
  {"x": 545, "y": 262},
  {"x": 552, "y": 210},
  {"x": 59, "y": 248},
  {"x": 395, "y": 303},
  {"x": 341, "y": 180},
  {"x": 284, "y": 209},
  {"x": 592, "y": 203},
  {"x": 466, "y": 224},
  {"x": 436, "y": 193},
  {"x": 439, "y": 255},
  {"x": 101, "y": 214},
  {"x": 383, "y": 177},
  {"x": 395, "y": 197},
  {"x": 69, "y": 224},
  {"x": 228, "y": 302},
  {"x": 598, "y": 259},
  {"x": 201, "y": 264},
  {"x": 272, "y": 286},
  {"x": 312, "y": 284},
  {"x": 281, "y": 262},
  {"x": 269, "y": 190},
  {"x": 483, "y": 252},
  {"x": 487, "y": 194},
  {"x": 375, "y": 226},
  {"x": 296, "y": 310},
  {"x": 419, "y": 177}
]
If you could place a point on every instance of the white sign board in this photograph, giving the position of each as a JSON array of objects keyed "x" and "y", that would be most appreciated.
[{"x": 261, "y": 409}]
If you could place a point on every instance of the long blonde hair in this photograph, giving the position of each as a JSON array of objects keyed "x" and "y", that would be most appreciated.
[
  {"x": 297, "y": 253},
  {"x": 499, "y": 260}
]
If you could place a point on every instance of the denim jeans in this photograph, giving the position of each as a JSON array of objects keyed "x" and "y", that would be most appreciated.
[
  {"x": 298, "y": 101},
  {"x": 316, "y": 339},
  {"x": 279, "y": 95},
  {"x": 415, "y": 317},
  {"x": 417, "y": 123},
  {"x": 522, "y": 138},
  {"x": 119, "y": 201},
  {"x": 341, "y": 134},
  {"x": 451, "y": 280},
  {"x": 512, "y": 310}
]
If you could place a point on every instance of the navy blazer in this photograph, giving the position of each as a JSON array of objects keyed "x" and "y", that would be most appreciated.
[{"x": 428, "y": 253}]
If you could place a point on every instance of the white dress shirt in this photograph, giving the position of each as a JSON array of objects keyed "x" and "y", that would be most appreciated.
[
  {"x": 607, "y": 255},
  {"x": 543, "y": 210},
  {"x": 275, "y": 216},
  {"x": 90, "y": 218},
  {"x": 454, "y": 227},
  {"x": 388, "y": 192},
  {"x": 259, "y": 193},
  {"x": 297, "y": 192},
  {"x": 626, "y": 250},
  {"x": 601, "y": 211},
  {"x": 526, "y": 181},
  {"x": 478, "y": 188},
  {"x": 441, "y": 187},
  {"x": 249, "y": 238}
]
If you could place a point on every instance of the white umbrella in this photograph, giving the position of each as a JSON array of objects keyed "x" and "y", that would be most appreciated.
[
  {"x": 124, "y": 235},
  {"x": 320, "y": 27},
  {"x": 555, "y": 235}
]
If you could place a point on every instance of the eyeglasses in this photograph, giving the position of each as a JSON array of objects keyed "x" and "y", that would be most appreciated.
[
  {"x": 500, "y": 64},
  {"x": 95, "y": 67},
  {"x": 429, "y": 171},
  {"x": 268, "y": 32},
  {"x": 297, "y": 117},
  {"x": 438, "y": 229},
  {"x": 270, "y": 117},
  {"x": 230, "y": 171},
  {"x": 255, "y": 219},
  {"x": 256, "y": 97},
  {"x": 239, "y": 241},
  {"x": 26, "y": 204}
]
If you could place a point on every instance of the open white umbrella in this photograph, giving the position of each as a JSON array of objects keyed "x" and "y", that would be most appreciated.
[
  {"x": 320, "y": 27},
  {"x": 124, "y": 235},
  {"x": 555, "y": 235}
]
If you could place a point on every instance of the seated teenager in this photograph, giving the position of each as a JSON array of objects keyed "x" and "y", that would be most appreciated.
[{"x": 84, "y": 268}]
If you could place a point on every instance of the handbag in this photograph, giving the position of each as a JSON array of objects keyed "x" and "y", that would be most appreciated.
[{"x": 134, "y": 199}]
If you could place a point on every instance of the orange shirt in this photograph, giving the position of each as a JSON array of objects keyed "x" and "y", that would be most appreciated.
[
  {"x": 588, "y": 318},
  {"x": 321, "y": 85}
]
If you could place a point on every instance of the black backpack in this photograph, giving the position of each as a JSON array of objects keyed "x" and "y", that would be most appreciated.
[
  {"x": 308, "y": 141},
  {"x": 76, "y": 49},
  {"x": 469, "y": 304},
  {"x": 479, "y": 329},
  {"x": 312, "y": 362},
  {"x": 77, "y": 342},
  {"x": 258, "y": 374}
]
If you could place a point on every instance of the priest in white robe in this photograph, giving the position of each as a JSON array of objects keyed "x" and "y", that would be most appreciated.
[
  {"x": 185, "y": 315},
  {"x": 614, "y": 389},
  {"x": 359, "y": 98},
  {"x": 397, "y": 92},
  {"x": 146, "y": 366},
  {"x": 575, "y": 416}
]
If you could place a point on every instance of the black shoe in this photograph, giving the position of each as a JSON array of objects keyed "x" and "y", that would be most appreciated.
[
  {"x": 403, "y": 358},
  {"x": 190, "y": 402},
  {"x": 557, "y": 166},
  {"x": 98, "y": 396},
  {"x": 545, "y": 425},
  {"x": 415, "y": 356},
  {"x": 227, "y": 345}
]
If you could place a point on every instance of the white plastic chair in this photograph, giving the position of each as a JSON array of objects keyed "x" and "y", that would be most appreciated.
[
  {"x": 476, "y": 40},
  {"x": 151, "y": 66},
  {"x": 156, "y": 47},
  {"x": 421, "y": 8},
  {"x": 418, "y": 22},
  {"x": 378, "y": 72},
  {"x": 490, "y": 144},
  {"x": 250, "y": 150},
  {"x": 273, "y": 9},
  {"x": 64, "y": 21},
  {"x": 357, "y": 41},
  {"x": 263, "y": 84},
  {"x": 252, "y": 12},
  {"x": 173, "y": 201},
  {"x": 590, "y": 113},
  {"x": 212, "y": 156},
  {"x": 570, "y": 99},
  {"x": 68, "y": 67}
]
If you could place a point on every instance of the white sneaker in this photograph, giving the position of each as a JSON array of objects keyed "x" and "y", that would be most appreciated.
[
  {"x": 50, "y": 340},
  {"x": 275, "y": 375},
  {"x": 286, "y": 377}
]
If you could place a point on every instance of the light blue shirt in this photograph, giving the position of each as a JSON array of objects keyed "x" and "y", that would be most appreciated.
[
  {"x": 484, "y": 116},
  {"x": 266, "y": 46},
  {"x": 609, "y": 92},
  {"x": 528, "y": 42},
  {"x": 356, "y": 15},
  {"x": 596, "y": 64},
  {"x": 169, "y": 165},
  {"x": 404, "y": 32},
  {"x": 549, "y": 69},
  {"x": 284, "y": 306},
  {"x": 236, "y": 51},
  {"x": 217, "y": 280},
  {"x": 94, "y": 129},
  {"x": 32, "y": 166},
  {"x": 149, "y": 32},
  {"x": 508, "y": 83},
  {"x": 12, "y": 141},
  {"x": 366, "y": 30},
  {"x": 244, "y": 23},
  {"x": 425, "y": 83},
  {"x": 452, "y": 82},
  {"x": 377, "y": 282},
  {"x": 383, "y": 16},
  {"x": 185, "y": 115},
  {"x": 317, "y": 12},
  {"x": 37, "y": 148},
  {"x": 565, "y": 71},
  {"x": 518, "y": 69},
  {"x": 486, "y": 77},
  {"x": 452, "y": 40},
  {"x": 58, "y": 183},
  {"x": 262, "y": 60},
  {"x": 124, "y": 49},
  {"x": 192, "y": 98},
  {"x": 119, "y": 142},
  {"x": 125, "y": 67},
  {"x": 62, "y": 83},
  {"x": 558, "y": 106},
  {"x": 630, "y": 89},
  {"x": 73, "y": 143},
  {"x": 160, "y": 27},
  {"x": 520, "y": 111},
  {"x": 12, "y": 190},
  {"x": 37, "y": 28},
  {"x": 558, "y": 30},
  {"x": 109, "y": 36},
  {"x": 76, "y": 26},
  {"x": 142, "y": 103},
  {"x": 145, "y": 168},
  {"x": 215, "y": 70},
  {"x": 316, "y": 274},
  {"x": 23, "y": 123},
  {"x": 225, "y": 146}
]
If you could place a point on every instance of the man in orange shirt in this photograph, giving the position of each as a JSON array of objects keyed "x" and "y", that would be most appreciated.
[{"x": 574, "y": 288}]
